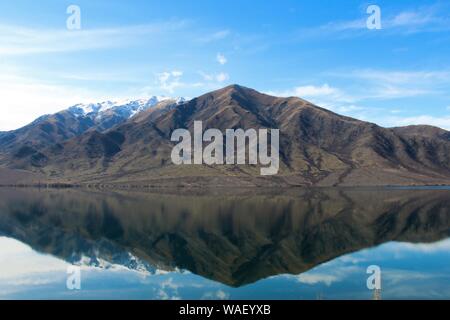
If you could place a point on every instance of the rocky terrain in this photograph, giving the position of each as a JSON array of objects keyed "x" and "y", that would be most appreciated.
[{"x": 317, "y": 147}]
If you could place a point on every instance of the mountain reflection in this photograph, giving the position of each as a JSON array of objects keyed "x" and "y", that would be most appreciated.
[{"x": 233, "y": 239}]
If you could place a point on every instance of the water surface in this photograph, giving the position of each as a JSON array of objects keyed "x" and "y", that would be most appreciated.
[{"x": 225, "y": 244}]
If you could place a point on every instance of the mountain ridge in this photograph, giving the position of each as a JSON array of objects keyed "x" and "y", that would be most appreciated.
[
  {"x": 52, "y": 129},
  {"x": 317, "y": 147}
]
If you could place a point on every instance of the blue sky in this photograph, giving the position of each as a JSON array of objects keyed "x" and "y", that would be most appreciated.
[{"x": 319, "y": 50}]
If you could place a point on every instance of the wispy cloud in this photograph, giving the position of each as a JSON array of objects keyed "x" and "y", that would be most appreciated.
[
  {"x": 362, "y": 89},
  {"x": 392, "y": 84},
  {"x": 17, "y": 40},
  {"x": 214, "y": 77},
  {"x": 326, "y": 96},
  {"x": 422, "y": 19},
  {"x": 216, "y": 295},
  {"x": 214, "y": 36},
  {"x": 170, "y": 80},
  {"x": 168, "y": 290},
  {"x": 323, "y": 95},
  {"x": 329, "y": 273},
  {"x": 433, "y": 247},
  {"x": 312, "y": 91},
  {"x": 399, "y": 77},
  {"x": 441, "y": 121},
  {"x": 100, "y": 76}
]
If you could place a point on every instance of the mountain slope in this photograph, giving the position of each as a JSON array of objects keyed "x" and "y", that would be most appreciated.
[
  {"x": 24, "y": 146},
  {"x": 317, "y": 147}
]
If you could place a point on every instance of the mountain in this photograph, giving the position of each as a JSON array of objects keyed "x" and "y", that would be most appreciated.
[
  {"x": 23, "y": 146},
  {"x": 107, "y": 114},
  {"x": 317, "y": 147}
]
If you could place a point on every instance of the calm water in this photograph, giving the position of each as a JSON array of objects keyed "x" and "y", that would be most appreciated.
[{"x": 295, "y": 244}]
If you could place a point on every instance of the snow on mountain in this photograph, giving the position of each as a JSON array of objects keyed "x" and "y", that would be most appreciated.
[
  {"x": 105, "y": 115},
  {"x": 123, "y": 108},
  {"x": 123, "y": 260},
  {"x": 107, "y": 256},
  {"x": 90, "y": 108}
]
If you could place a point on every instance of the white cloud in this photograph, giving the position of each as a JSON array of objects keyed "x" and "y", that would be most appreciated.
[
  {"x": 408, "y": 18},
  {"x": 391, "y": 84},
  {"x": 221, "y": 77},
  {"x": 315, "y": 91},
  {"x": 206, "y": 76},
  {"x": 441, "y": 122},
  {"x": 17, "y": 40},
  {"x": 215, "y": 36},
  {"x": 221, "y": 59},
  {"x": 216, "y": 295},
  {"x": 421, "y": 19},
  {"x": 98, "y": 76},
  {"x": 177, "y": 73},
  {"x": 405, "y": 19},
  {"x": 343, "y": 25},
  {"x": 324, "y": 93},
  {"x": 328, "y": 273},
  {"x": 347, "y": 108},
  {"x": 433, "y": 247},
  {"x": 168, "y": 290},
  {"x": 315, "y": 278},
  {"x": 170, "y": 80},
  {"x": 212, "y": 77},
  {"x": 173, "y": 83},
  {"x": 399, "y": 77},
  {"x": 329, "y": 97},
  {"x": 369, "y": 86}
]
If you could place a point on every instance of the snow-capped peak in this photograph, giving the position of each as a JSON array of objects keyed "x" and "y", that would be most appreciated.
[{"x": 124, "y": 108}]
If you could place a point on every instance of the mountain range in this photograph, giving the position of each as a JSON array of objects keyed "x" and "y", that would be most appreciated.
[{"x": 129, "y": 144}]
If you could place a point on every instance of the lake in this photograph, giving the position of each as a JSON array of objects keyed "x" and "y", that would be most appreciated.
[{"x": 224, "y": 244}]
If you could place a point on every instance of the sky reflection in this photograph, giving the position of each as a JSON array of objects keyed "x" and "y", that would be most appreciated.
[{"x": 409, "y": 271}]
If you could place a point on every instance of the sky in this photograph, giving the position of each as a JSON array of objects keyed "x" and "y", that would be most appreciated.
[{"x": 321, "y": 51}]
